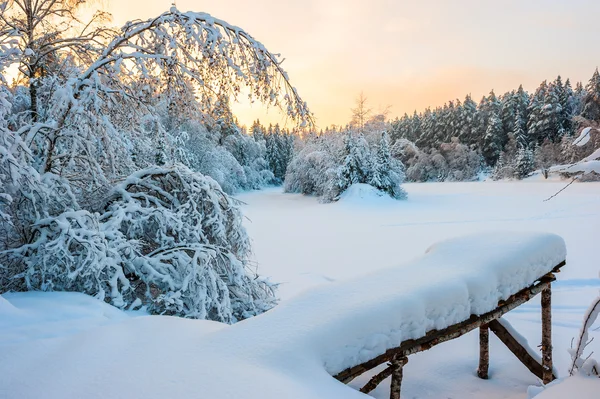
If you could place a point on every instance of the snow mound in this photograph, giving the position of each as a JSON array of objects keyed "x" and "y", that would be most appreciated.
[
  {"x": 576, "y": 387},
  {"x": 361, "y": 193},
  {"x": 579, "y": 167},
  {"x": 27, "y": 316},
  {"x": 292, "y": 350},
  {"x": 583, "y": 138},
  {"x": 594, "y": 156}
]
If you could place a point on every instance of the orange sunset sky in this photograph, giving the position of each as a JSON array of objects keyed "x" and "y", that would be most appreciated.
[{"x": 407, "y": 54}]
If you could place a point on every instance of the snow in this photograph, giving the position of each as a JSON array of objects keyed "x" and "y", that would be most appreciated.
[
  {"x": 328, "y": 328},
  {"x": 585, "y": 166},
  {"x": 363, "y": 194},
  {"x": 583, "y": 138},
  {"x": 327, "y": 256},
  {"x": 35, "y": 315},
  {"x": 593, "y": 156},
  {"x": 576, "y": 387}
]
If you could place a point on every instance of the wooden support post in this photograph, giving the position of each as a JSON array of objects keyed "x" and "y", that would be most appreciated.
[
  {"x": 484, "y": 352},
  {"x": 517, "y": 349},
  {"x": 547, "y": 335},
  {"x": 397, "y": 364}
]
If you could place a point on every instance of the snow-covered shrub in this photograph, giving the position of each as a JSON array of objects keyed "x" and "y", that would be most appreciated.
[
  {"x": 168, "y": 238},
  {"x": 74, "y": 252},
  {"x": 312, "y": 170},
  {"x": 194, "y": 249},
  {"x": 251, "y": 155},
  {"x": 327, "y": 165},
  {"x": 463, "y": 163}
]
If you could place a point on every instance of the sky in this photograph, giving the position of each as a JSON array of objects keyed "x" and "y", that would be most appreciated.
[{"x": 404, "y": 54}]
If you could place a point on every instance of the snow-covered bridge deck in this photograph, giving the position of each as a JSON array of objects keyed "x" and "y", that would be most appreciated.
[{"x": 458, "y": 285}]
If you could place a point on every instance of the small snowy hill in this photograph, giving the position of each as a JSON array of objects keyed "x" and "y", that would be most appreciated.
[{"x": 361, "y": 194}]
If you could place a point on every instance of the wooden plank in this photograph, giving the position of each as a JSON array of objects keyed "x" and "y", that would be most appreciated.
[
  {"x": 436, "y": 337},
  {"x": 484, "y": 352},
  {"x": 517, "y": 349}
]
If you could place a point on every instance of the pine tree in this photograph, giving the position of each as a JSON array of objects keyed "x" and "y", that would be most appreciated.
[
  {"x": 387, "y": 173},
  {"x": 258, "y": 131},
  {"x": 356, "y": 161},
  {"x": 524, "y": 163},
  {"x": 519, "y": 131},
  {"x": 566, "y": 102},
  {"x": 467, "y": 121},
  {"x": 492, "y": 141},
  {"x": 509, "y": 110},
  {"x": 550, "y": 123},
  {"x": 535, "y": 112},
  {"x": 591, "y": 100}
]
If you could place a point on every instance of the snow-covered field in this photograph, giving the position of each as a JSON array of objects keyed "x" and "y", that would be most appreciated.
[{"x": 301, "y": 244}]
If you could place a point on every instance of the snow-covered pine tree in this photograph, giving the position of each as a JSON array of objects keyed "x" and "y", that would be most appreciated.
[
  {"x": 591, "y": 100},
  {"x": 492, "y": 141},
  {"x": 387, "y": 173},
  {"x": 519, "y": 131},
  {"x": 524, "y": 163},
  {"x": 550, "y": 124},
  {"x": 356, "y": 162},
  {"x": 467, "y": 120},
  {"x": 509, "y": 110},
  {"x": 535, "y": 114}
]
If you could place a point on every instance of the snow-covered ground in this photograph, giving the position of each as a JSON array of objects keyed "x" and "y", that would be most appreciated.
[{"x": 302, "y": 243}]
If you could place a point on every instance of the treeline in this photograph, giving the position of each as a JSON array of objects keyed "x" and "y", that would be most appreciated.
[{"x": 514, "y": 132}]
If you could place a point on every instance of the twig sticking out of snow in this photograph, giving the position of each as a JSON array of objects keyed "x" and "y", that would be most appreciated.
[{"x": 561, "y": 190}]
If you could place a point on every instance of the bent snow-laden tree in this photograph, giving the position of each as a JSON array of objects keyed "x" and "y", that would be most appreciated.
[{"x": 70, "y": 218}]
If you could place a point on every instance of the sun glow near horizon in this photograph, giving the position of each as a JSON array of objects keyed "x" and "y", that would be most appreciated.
[{"x": 402, "y": 54}]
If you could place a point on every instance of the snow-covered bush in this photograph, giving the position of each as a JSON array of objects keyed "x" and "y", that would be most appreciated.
[
  {"x": 196, "y": 249},
  {"x": 313, "y": 169},
  {"x": 169, "y": 239},
  {"x": 98, "y": 106},
  {"x": 327, "y": 165}
]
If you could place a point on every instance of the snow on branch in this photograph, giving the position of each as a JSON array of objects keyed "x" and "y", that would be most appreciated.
[
  {"x": 586, "y": 365},
  {"x": 220, "y": 58}
]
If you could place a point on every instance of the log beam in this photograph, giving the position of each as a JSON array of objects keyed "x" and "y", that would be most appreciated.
[
  {"x": 396, "y": 383},
  {"x": 484, "y": 352},
  {"x": 547, "y": 335},
  {"x": 377, "y": 379},
  {"x": 518, "y": 350}
]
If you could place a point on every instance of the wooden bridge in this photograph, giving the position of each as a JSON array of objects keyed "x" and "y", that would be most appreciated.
[{"x": 397, "y": 358}]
